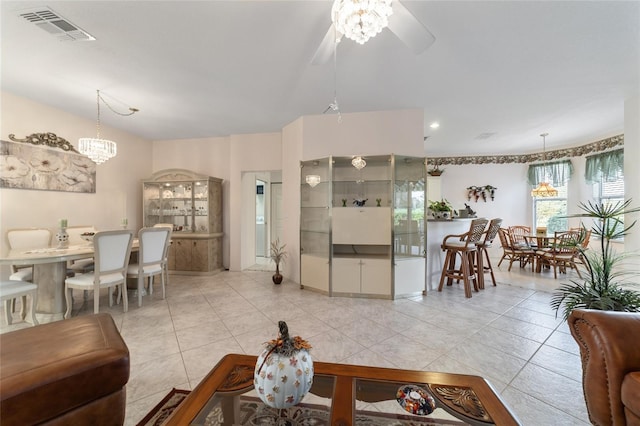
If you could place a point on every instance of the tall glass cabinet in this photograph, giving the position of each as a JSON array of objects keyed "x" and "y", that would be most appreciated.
[
  {"x": 362, "y": 228},
  {"x": 192, "y": 204}
]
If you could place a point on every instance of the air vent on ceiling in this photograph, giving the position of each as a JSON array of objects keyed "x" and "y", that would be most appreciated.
[
  {"x": 485, "y": 135},
  {"x": 55, "y": 24}
]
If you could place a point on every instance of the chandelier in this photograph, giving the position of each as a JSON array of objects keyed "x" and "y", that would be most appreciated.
[
  {"x": 97, "y": 149},
  {"x": 544, "y": 189},
  {"x": 358, "y": 163},
  {"x": 360, "y": 20}
]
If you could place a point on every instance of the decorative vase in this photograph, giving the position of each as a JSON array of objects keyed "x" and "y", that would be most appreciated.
[
  {"x": 277, "y": 277},
  {"x": 284, "y": 371},
  {"x": 62, "y": 238}
]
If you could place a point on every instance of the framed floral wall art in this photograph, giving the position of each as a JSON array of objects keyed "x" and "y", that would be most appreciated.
[{"x": 44, "y": 161}]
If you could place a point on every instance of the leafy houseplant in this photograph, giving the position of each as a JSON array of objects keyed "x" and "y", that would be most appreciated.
[
  {"x": 603, "y": 287},
  {"x": 278, "y": 254},
  {"x": 440, "y": 206}
]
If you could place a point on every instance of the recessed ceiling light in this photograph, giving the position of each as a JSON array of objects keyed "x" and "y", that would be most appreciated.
[{"x": 434, "y": 125}]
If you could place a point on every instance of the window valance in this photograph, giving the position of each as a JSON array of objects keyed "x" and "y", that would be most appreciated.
[
  {"x": 605, "y": 167},
  {"x": 556, "y": 173}
]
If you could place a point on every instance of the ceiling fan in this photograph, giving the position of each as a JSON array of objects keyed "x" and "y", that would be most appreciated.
[{"x": 401, "y": 22}]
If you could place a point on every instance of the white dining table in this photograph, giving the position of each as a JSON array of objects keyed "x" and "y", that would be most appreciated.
[{"x": 49, "y": 273}]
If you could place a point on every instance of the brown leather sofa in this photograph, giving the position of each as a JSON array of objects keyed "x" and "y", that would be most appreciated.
[
  {"x": 70, "y": 372},
  {"x": 610, "y": 350}
]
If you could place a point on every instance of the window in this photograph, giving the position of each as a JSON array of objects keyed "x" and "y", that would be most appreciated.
[
  {"x": 605, "y": 172},
  {"x": 550, "y": 212},
  {"x": 609, "y": 193}
]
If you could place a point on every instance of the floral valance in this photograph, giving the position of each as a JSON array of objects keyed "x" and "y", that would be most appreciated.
[
  {"x": 607, "y": 167},
  {"x": 557, "y": 173}
]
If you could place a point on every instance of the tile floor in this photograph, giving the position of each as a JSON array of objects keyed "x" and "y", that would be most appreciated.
[{"x": 508, "y": 334}]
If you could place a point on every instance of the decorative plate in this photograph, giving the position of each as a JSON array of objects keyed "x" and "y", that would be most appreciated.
[{"x": 415, "y": 400}]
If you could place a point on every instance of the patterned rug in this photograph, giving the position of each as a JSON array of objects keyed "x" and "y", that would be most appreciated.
[
  {"x": 254, "y": 412},
  {"x": 164, "y": 408}
]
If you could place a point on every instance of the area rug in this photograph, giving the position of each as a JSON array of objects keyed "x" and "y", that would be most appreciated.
[
  {"x": 164, "y": 408},
  {"x": 254, "y": 412}
]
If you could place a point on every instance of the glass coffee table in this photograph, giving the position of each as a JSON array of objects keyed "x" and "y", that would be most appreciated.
[{"x": 344, "y": 395}]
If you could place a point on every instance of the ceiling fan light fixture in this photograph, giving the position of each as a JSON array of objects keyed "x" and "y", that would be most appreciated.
[{"x": 360, "y": 20}]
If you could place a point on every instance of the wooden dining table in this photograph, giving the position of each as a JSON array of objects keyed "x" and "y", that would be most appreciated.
[{"x": 49, "y": 273}]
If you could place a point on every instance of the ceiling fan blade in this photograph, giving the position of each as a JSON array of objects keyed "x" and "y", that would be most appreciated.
[
  {"x": 408, "y": 29},
  {"x": 325, "y": 50}
]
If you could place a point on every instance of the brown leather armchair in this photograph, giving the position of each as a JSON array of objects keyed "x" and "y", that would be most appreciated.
[
  {"x": 610, "y": 350},
  {"x": 70, "y": 372}
]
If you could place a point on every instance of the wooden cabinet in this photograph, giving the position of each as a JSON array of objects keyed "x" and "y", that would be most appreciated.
[
  {"x": 356, "y": 225},
  {"x": 192, "y": 204}
]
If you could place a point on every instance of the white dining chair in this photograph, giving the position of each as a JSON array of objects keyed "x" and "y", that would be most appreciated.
[
  {"x": 24, "y": 239},
  {"x": 112, "y": 251},
  {"x": 11, "y": 290},
  {"x": 80, "y": 266},
  {"x": 165, "y": 261},
  {"x": 153, "y": 248}
]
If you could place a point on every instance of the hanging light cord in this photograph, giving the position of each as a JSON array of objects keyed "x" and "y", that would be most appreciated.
[{"x": 100, "y": 98}]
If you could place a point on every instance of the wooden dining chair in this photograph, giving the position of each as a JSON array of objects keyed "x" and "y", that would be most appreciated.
[
  {"x": 154, "y": 244},
  {"x": 512, "y": 253},
  {"x": 112, "y": 251},
  {"x": 562, "y": 253},
  {"x": 517, "y": 235}
]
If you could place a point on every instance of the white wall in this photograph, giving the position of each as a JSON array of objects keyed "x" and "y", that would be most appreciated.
[
  {"x": 207, "y": 156},
  {"x": 364, "y": 133},
  {"x": 512, "y": 200},
  {"x": 118, "y": 189},
  {"x": 632, "y": 171},
  {"x": 292, "y": 136}
]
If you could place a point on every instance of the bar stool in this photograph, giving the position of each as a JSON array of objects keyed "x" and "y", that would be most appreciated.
[
  {"x": 483, "y": 253},
  {"x": 465, "y": 246},
  {"x": 11, "y": 290}
]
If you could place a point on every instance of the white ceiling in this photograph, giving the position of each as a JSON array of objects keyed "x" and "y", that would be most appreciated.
[{"x": 213, "y": 68}]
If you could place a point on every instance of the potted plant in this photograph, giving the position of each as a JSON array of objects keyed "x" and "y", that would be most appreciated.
[
  {"x": 435, "y": 171},
  {"x": 278, "y": 254},
  {"x": 604, "y": 286},
  {"x": 441, "y": 209}
]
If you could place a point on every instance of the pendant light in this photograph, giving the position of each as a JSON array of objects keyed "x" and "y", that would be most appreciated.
[
  {"x": 97, "y": 149},
  {"x": 544, "y": 188}
]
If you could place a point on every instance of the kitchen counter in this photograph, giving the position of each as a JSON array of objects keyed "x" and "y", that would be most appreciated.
[{"x": 437, "y": 229}]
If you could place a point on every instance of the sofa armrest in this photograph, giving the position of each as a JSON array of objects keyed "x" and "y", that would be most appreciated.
[{"x": 609, "y": 349}]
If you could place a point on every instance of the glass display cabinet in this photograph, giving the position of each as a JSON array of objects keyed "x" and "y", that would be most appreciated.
[
  {"x": 315, "y": 231},
  {"x": 192, "y": 205},
  {"x": 362, "y": 228}
]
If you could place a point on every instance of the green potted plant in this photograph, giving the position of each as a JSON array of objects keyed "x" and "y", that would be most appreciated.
[
  {"x": 441, "y": 209},
  {"x": 604, "y": 286},
  {"x": 278, "y": 254}
]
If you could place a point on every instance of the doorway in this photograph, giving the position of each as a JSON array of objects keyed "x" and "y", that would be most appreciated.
[{"x": 263, "y": 223}]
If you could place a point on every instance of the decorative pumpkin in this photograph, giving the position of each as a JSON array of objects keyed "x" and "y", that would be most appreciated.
[{"x": 284, "y": 370}]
